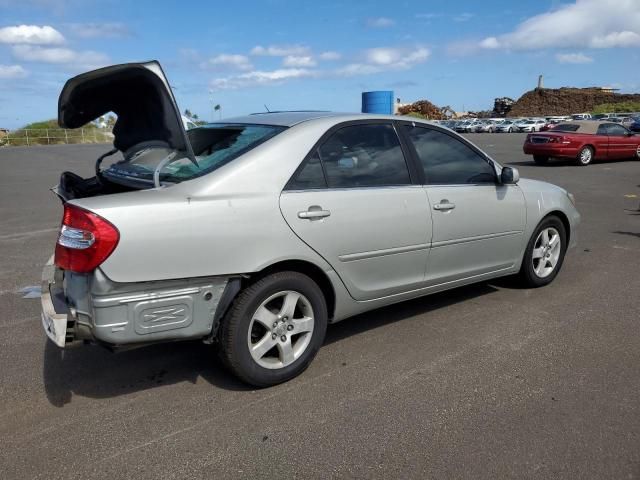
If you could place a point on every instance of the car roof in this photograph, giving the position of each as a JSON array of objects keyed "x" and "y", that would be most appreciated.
[
  {"x": 289, "y": 119},
  {"x": 588, "y": 126}
]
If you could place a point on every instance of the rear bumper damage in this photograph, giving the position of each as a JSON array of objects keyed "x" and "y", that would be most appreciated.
[{"x": 93, "y": 308}]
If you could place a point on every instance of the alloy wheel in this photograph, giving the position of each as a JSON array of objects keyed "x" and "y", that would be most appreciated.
[
  {"x": 546, "y": 252},
  {"x": 585, "y": 156},
  {"x": 281, "y": 329}
]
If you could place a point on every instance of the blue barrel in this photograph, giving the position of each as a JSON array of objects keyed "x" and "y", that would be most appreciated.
[{"x": 380, "y": 101}]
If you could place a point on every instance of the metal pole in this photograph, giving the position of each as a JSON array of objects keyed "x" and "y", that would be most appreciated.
[
  {"x": 27, "y": 132},
  {"x": 66, "y": 139},
  {"x": 46, "y": 132},
  {"x": 82, "y": 132}
]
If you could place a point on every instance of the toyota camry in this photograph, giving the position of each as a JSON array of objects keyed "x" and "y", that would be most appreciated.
[{"x": 255, "y": 233}]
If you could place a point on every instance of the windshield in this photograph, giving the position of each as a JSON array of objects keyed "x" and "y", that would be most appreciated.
[{"x": 214, "y": 145}]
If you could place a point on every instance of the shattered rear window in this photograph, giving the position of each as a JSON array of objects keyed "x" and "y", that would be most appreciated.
[{"x": 214, "y": 145}]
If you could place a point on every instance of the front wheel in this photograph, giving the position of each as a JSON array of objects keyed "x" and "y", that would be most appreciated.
[
  {"x": 274, "y": 329},
  {"x": 585, "y": 156},
  {"x": 545, "y": 252}
]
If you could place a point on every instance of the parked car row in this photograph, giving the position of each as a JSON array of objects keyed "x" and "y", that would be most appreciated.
[
  {"x": 496, "y": 125},
  {"x": 535, "y": 124}
]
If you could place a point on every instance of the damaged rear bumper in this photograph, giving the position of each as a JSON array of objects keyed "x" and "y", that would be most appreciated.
[
  {"x": 54, "y": 315},
  {"x": 91, "y": 307}
]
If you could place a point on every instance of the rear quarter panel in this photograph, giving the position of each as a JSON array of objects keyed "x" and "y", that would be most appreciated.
[{"x": 226, "y": 222}]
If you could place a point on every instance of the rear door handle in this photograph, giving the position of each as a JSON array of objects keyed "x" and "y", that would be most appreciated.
[
  {"x": 314, "y": 214},
  {"x": 444, "y": 205}
]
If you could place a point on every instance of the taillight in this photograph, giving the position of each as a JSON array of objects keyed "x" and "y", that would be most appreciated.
[
  {"x": 557, "y": 139},
  {"x": 85, "y": 240}
]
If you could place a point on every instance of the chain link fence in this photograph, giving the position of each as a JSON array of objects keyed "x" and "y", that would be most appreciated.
[{"x": 55, "y": 136}]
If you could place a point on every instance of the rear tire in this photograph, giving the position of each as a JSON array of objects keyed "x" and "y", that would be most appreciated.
[
  {"x": 285, "y": 312},
  {"x": 545, "y": 252},
  {"x": 585, "y": 156},
  {"x": 540, "y": 160}
]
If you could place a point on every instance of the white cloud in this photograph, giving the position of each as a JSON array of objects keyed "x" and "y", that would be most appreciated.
[
  {"x": 428, "y": 16},
  {"x": 261, "y": 78},
  {"x": 463, "y": 17},
  {"x": 298, "y": 61},
  {"x": 279, "y": 50},
  {"x": 386, "y": 58},
  {"x": 397, "y": 57},
  {"x": 100, "y": 30},
  {"x": 576, "y": 58},
  {"x": 583, "y": 24},
  {"x": 380, "y": 22},
  {"x": 329, "y": 56},
  {"x": 59, "y": 55},
  {"x": 12, "y": 71},
  {"x": 31, "y": 34},
  {"x": 372, "y": 61},
  {"x": 229, "y": 61}
]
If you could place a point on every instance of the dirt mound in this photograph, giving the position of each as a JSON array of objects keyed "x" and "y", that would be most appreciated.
[
  {"x": 565, "y": 101},
  {"x": 424, "y": 108}
]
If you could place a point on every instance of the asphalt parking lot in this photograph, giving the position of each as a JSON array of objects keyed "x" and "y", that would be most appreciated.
[{"x": 488, "y": 381}]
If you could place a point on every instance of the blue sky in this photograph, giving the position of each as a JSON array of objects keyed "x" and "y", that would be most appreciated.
[{"x": 317, "y": 54}]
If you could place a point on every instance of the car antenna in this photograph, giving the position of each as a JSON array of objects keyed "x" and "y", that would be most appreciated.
[{"x": 267, "y": 108}]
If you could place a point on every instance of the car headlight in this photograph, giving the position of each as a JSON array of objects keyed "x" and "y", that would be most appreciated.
[{"x": 572, "y": 199}]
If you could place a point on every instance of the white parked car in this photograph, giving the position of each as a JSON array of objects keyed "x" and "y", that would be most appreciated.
[{"x": 534, "y": 125}]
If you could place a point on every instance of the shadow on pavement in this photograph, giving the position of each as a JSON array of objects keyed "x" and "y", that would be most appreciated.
[
  {"x": 631, "y": 234},
  {"x": 551, "y": 163},
  {"x": 377, "y": 318},
  {"x": 92, "y": 371}
]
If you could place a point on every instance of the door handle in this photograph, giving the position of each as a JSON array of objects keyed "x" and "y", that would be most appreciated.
[
  {"x": 444, "y": 205},
  {"x": 314, "y": 214}
]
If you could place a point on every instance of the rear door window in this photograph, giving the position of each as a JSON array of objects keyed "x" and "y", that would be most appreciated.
[
  {"x": 447, "y": 160},
  {"x": 364, "y": 156}
]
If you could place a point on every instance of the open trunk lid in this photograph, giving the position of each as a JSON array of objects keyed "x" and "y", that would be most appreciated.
[{"x": 141, "y": 97}]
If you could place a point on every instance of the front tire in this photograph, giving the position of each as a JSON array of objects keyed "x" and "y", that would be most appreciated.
[
  {"x": 274, "y": 329},
  {"x": 585, "y": 156},
  {"x": 540, "y": 160},
  {"x": 545, "y": 252}
]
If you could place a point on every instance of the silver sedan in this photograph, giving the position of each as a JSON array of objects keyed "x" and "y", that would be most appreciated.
[{"x": 256, "y": 232}]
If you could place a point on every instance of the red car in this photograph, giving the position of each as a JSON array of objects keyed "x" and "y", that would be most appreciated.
[{"x": 583, "y": 141}]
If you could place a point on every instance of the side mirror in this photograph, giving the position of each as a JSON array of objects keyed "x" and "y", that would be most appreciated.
[{"x": 509, "y": 176}]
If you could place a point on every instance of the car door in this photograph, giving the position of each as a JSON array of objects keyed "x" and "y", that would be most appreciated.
[
  {"x": 621, "y": 144},
  {"x": 600, "y": 141},
  {"x": 478, "y": 223},
  {"x": 353, "y": 201}
]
